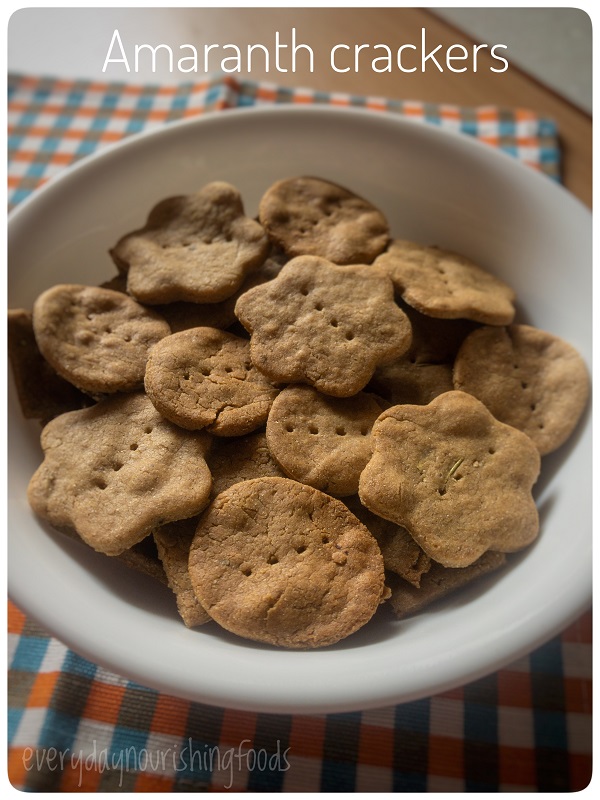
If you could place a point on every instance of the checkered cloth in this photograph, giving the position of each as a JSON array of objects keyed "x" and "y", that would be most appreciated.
[{"x": 74, "y": 726}]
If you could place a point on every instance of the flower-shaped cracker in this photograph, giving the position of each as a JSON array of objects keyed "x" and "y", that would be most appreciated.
[
  {"x": 195, "y": 247},
  {"x": 324, "y": 325},
  {"x": 456, "y": 478},
  {"x": 117, "y": 471}
]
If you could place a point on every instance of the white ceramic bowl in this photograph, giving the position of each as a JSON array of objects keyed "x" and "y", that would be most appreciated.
[{"x": 435, "y": 187}]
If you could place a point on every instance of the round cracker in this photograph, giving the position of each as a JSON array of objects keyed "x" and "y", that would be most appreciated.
[
  {"x": 203, "y": 378},
  {"x": 98, "y": 339},
  {"x": 322, "y": 441},
  {"x": 528, "y": 378},
  {"x": 279, "y": 562},
  {"x": 310, "y": 216}
]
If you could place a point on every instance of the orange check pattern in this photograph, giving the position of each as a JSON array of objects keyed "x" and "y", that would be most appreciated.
[{"x": 76, "y": 727}]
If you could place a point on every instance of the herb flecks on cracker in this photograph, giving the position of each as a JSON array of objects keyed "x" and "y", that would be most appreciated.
[{"x": 413, "y": 479}]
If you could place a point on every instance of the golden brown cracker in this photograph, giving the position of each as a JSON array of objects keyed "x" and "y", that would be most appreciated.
[
  {"x": 173, "y": 543},
  {"x": 322, "y": 441},
  {"x": 311, "y": 216},
  {"x": 324, "y": 325},
  {"x": 203, "y": 378},
  {"x": 42, "y": 393},
  {"x": 117, "y": 471},
  {"x": 528, "y": 378},
  {"x": 439, "y": 582},
  {"x": 97, "y": 339},
  {"x": 240, "y": 459},
  {"x": 196, "y": 248},
  {"x": 444, "y": 284},
  {"x": 283, "y": 563},
  {"x": 455, "y": 477}
]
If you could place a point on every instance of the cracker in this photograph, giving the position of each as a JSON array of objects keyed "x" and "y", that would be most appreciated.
[
  {"x": 203, "y": 378},
  {"x": 195, "y": 248},
  {"x": 444, "y": 284},
  {"x": 528, "y": 378},
  {"x": 97, "y": 339},
  {"x": 322, "y": 441},
  {"x": 457, "y": 479},
  {"x": 310, "y": 216},
  {"x": 439, "y": 582},
  {"x": 324, "y": 325},
  {"x": 240, "y": 459},
  {"x": 401, "y": 554},
  {"x": 279, "y": 562},
  {"x": 42, "y": 393},
  {"x": 173, "y": 543},
  {"x": 117, "y": 471}
]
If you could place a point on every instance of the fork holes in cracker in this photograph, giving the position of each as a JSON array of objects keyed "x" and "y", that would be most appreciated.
[
  {"x": 340, "y": 430},
  {"x": 304, "y": 291},
  {"x": 100, "y": 483},
  {"x": 313, "y": 429},
  {"x": 349, "y": 336},
  {"x": 246, "y": 571},
  {"x": 491, "y": 451},
  {"x": 301, "y": 548},
  {"x": 334, "y": 323},
  {"x": 325, "y": 539},
  {"x": 272, "y": 559},
  {"x": 133, "y": 446},
  {"x": 148, "y": 429},
  {"x": 289, "y": 428}
]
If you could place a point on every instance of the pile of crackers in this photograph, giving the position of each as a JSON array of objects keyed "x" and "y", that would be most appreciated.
[{"x": 295, "y": 419}]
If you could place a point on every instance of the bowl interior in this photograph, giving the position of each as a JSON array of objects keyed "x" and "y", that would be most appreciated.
[{"x": 434, "y": 187}]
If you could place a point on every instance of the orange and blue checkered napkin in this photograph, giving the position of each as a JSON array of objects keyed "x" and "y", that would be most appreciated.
[{"x": 74, "y": 726}]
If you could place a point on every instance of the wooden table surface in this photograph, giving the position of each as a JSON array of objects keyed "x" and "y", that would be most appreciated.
[{"x": 322, "y": 28}]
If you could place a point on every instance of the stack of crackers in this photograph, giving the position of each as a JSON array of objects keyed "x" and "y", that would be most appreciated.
[{"x": 293, "y": 419}]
